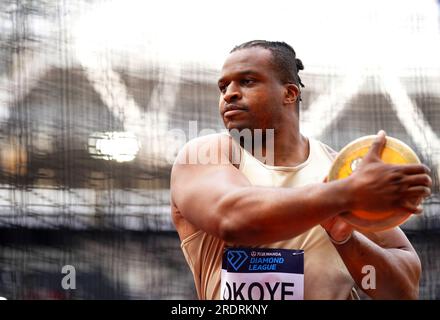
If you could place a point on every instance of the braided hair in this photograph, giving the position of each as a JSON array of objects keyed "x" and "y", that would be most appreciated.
[{"x": 284, "y": 60}]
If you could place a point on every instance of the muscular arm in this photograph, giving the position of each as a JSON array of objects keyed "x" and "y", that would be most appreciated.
[
  {"x": 219, "y": 199},
  {"x": 384, "y": 264}
]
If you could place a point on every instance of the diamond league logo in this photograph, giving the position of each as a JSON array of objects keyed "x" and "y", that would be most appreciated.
[{"x": 236, "y": 258}]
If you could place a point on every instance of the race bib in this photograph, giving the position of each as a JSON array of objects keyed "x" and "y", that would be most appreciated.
[{"x": 262, "y": 274}]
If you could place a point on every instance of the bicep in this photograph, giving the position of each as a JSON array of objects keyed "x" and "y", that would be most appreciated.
[
  {"x": 197, "y": 190},
  {"x": 393, "y": 238},
  {"x": 401, "y": 254}
]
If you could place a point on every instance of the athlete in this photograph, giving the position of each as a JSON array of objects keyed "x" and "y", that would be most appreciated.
[{"x": 237, "y": 199}]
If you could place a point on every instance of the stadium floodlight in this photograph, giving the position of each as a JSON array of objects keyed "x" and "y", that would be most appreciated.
[{"x": 118, "y": 146}]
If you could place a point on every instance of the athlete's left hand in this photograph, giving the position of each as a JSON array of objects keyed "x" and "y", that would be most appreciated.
[{"x": 337, "y": 228}]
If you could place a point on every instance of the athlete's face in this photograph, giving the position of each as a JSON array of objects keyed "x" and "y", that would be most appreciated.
[{"x": 251, "y": 95}]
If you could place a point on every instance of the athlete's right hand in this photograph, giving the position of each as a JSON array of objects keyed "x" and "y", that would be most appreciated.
[{"x": 377, "y": 187}]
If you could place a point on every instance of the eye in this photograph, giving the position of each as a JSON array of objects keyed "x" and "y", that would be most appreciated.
[
  {"x": 247, "y": 81},
  {"x": 222, "y": 87}
]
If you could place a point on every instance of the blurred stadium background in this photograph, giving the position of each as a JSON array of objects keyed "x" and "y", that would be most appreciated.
[{"x": 93, "y": 95}]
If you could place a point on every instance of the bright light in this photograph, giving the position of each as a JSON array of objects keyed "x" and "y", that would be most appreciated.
[
  {"x": 342, "y": 33},
  {"x": 118, "y": 146}
]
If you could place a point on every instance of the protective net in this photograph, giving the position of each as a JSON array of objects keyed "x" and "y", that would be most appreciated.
[{"x": 93, "y": 95}]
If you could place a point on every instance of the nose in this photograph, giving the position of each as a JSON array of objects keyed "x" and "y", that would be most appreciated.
[{"x": 232, "y": 93}]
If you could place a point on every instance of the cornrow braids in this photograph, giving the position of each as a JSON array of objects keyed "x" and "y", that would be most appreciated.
[{"x": 284, "y": 59}]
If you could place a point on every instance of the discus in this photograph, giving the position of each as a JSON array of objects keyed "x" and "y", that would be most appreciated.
[{"x": 394, "y": 152}]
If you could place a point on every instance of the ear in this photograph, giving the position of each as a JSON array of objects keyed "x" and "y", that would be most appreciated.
[{"x": 291, "y": 93}]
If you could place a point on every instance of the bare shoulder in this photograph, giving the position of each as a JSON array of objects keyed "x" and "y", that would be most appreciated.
[
  {"x": 196, "y": 169},
  {"x": 213, "y": 149},
  {"x": 201, "y": 154}
]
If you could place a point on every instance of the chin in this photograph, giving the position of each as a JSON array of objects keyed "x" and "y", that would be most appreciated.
[
  {"x": 235, "y": 125},
  {"x": 238, "y": 127}
]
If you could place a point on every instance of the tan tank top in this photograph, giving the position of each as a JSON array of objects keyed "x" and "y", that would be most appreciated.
[{"x": 325, "y": 275}]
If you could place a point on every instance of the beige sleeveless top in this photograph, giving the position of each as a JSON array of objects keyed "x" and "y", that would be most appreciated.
[{"x": 325, "y": 275}]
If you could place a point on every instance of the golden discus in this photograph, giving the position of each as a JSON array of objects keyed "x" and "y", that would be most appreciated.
[{"x": 395, "y": 152}]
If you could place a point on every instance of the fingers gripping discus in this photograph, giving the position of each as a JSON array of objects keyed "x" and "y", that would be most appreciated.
[{"x": 394, "y": 152}]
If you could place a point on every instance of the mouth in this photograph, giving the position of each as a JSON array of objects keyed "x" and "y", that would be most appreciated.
[
  {"x": 231, "y": 113},
  {"x": 232, "y": 110}
]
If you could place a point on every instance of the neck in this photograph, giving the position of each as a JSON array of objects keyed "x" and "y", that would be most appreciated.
[
  {"x": 285, "y": 146},
  {"x": 290, "y": 147}
]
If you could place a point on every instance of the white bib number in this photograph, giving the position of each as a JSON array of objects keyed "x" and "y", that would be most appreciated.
[{"x": 262, "y": 274}]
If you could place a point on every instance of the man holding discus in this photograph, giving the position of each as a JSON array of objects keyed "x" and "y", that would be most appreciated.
[{"x": 258, "y": 221}]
